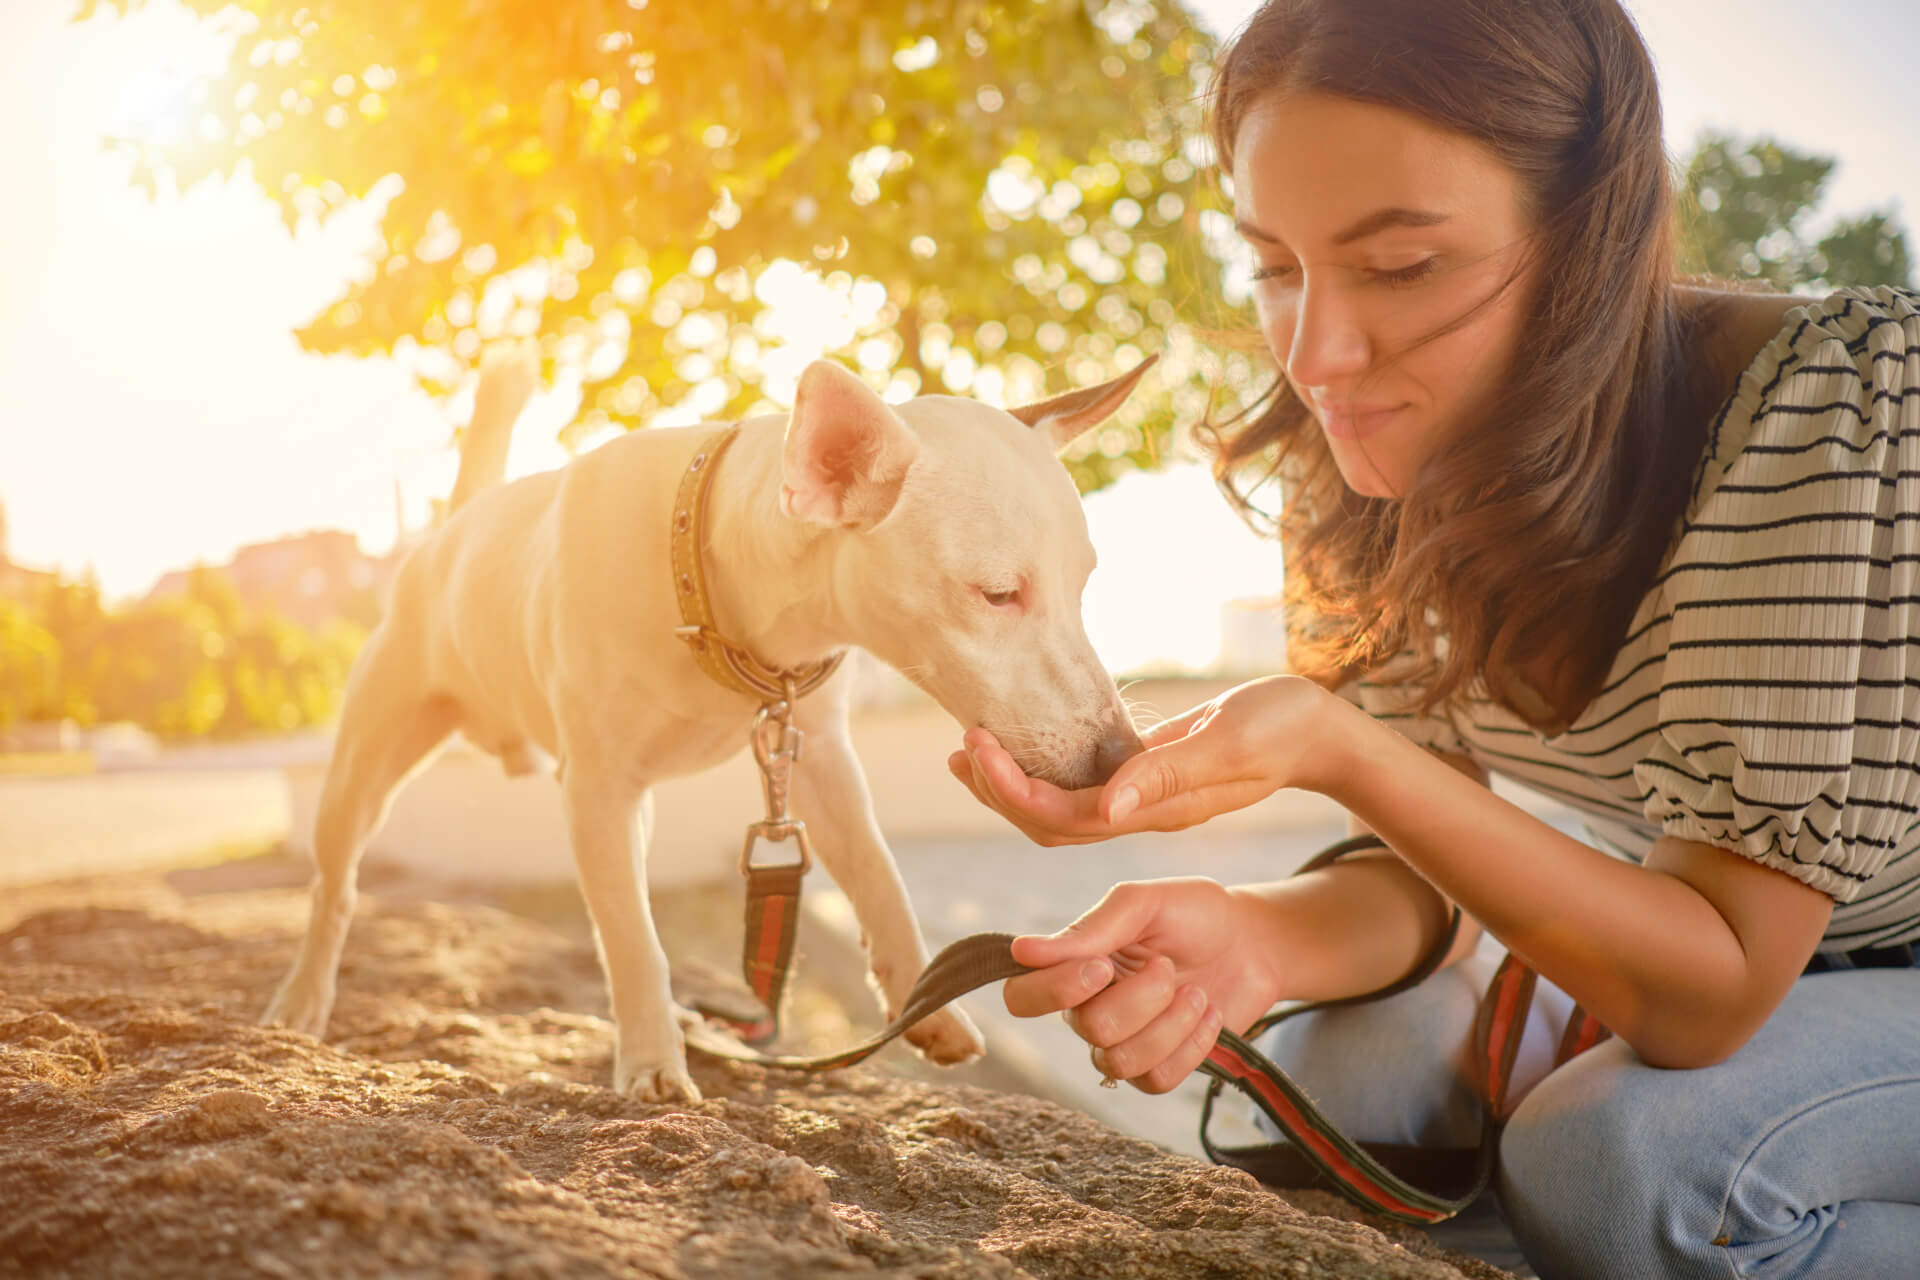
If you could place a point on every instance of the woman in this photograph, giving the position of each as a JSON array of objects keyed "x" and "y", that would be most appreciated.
[{"x": 1650, "y": 548}]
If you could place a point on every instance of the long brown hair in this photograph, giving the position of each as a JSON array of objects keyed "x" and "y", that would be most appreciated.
[{"x": 1525, "y": 542}]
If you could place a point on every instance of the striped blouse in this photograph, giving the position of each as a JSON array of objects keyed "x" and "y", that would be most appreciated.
[{"x": 1767, "y": 697}]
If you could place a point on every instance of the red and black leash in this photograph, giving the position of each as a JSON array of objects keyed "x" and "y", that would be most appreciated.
[
  {"x": 773, "y": 910},
  {"x": 1381, "y": 1178}
]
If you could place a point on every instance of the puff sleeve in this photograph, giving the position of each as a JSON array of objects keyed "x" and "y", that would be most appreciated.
[{"x": 1789, "y": 706}]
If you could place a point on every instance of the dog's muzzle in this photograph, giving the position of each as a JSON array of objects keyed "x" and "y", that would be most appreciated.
[{"x": 1114, "y": 750}]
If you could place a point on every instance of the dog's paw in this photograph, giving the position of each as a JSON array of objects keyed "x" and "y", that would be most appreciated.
[
  {"x": 653, "y": 1068},
  {"x": 656, "y": 1081},
  {"x": 299, "y": 1008},
  {"x": 947, "y": 1038}
]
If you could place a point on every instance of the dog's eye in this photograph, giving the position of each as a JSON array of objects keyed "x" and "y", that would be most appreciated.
[{"x": 1001, "y": 599}]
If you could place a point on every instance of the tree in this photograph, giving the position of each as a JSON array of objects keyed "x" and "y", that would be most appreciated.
[
  {"x": 197, "y": 663},
  {"x": 29, "y": 668},
  {"x": 993, "y": 189},
  {"x": 1745, "y": 212},
  {"x": 74, "y": 615}
]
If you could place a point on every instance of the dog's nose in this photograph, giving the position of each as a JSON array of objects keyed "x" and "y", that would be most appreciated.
[{"x": 1114, "y": 750}]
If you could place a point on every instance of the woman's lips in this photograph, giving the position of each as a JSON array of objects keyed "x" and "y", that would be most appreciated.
[{"x": 1353, "y": 422}]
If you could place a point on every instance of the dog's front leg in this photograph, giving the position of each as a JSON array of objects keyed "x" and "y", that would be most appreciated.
[
  {"x": 831, "y": 797},
  {"x": 609, "y": 848}
]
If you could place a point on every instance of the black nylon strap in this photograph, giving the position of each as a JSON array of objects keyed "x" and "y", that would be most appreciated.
[{"x": 1449, "y": 1171}]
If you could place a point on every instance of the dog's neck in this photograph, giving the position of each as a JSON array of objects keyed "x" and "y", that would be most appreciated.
[{"x": 768, "y": 576}]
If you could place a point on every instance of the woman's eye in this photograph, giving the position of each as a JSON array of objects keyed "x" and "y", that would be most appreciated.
[
  {"x": 1402, "y": 276},
  {"x": 1277, "y": 271},
  {"x": 1001, "y": 599}
]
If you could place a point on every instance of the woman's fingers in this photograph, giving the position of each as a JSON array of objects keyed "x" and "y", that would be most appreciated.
[
  {"x": 1182, "y": 782},
  {"x": 1118, "y": 920},
  {"x": 1043, "y": 811},
  {"x": 1036, "y": 799},
  {"x": 1144, "y": 1030},
  {"x": 1166, "y": 788},
  {"x": 1140, "y": 1055},
  {"x": 1191, "y": 1032},
  {"x": 1126, "y": 1007},
  {"x": 1178, "y": 727},
  {"x": 1154, "y": 776},
  {"x": 962, "y": 766},
  {"x": 1191, "y": 808},
  {"x": 1056, "y": 987}
]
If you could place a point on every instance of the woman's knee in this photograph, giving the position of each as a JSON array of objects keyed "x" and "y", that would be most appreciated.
[{"x": 1594, "y": 1174}]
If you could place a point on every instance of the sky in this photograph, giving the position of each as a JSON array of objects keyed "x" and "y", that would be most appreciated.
[{"x": 155, "y": 410}]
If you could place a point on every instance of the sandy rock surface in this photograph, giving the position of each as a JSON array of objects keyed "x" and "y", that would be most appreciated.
[{"x": 456, "y": 1123}]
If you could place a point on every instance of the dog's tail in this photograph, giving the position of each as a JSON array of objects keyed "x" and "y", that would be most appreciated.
[{"x": 508, "y": 374}]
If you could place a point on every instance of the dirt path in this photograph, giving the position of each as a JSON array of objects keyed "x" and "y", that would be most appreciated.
[{"x": 457, "y": 1124}]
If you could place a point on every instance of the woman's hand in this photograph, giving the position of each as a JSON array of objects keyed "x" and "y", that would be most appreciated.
[
  {"x": 1223, "y": 755},
  {"x": 1151, "y": 974}
]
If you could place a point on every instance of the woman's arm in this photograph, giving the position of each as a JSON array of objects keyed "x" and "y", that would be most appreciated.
[
  {"x": 1683, "y": 957},
  {"x": 1469, "y": 935},
  {"x": 1350, "y": 928},
  {"x": 1157, "y": 967},
  {"x": 1151, "y": 973}
]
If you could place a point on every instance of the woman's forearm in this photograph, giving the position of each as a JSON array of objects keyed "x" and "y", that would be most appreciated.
[
  {"x": 1644, "y": 952},
  {"x": 1350, "y": 928}
]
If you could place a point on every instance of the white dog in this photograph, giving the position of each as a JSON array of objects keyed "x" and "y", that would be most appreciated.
[{"x": 940, "y": 534}]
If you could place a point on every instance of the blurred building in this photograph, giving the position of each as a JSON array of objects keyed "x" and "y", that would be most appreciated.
[
  {"x": 1253, "y": 637},
  {"x": 19, "y": 583},
  {"x": 308, "y": 578}
]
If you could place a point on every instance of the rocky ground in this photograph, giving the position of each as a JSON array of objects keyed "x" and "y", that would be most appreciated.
[{"x": 457, "y": 1121}]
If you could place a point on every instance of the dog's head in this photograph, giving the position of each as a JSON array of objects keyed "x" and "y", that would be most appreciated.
[{"x": 961, "y": 556}]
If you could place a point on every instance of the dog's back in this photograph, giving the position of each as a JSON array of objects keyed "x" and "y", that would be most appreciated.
[{"x": 471, "y": 570}]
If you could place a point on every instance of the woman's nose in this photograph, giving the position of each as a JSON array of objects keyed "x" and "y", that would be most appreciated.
[{"x": 1328, "y": 343}]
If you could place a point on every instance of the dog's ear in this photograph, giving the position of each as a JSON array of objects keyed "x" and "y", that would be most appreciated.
[
  {"x": 1066, "y": 416},
  {"x": 846, "y": 451}
]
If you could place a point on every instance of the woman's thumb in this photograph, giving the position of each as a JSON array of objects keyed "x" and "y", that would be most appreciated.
[
  {"x": 1154, "y": 775},
  {"x": 1116, "y": 921}
]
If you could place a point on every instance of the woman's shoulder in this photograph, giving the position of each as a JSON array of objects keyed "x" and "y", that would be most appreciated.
[
  {"x": 1736, "y": 327},
  {"x": 1832, "y": 380}
]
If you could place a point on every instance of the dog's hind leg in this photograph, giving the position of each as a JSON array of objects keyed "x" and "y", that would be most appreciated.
[
  {"x": 609, "y": 814},
  {"x": 387, "y": 729}
]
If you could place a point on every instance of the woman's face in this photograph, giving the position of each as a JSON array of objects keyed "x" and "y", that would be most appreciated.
[{"x": 1374, "y": 229}]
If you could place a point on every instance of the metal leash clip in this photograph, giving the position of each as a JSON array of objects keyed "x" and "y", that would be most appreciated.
[{"x": 776, "y": 746}]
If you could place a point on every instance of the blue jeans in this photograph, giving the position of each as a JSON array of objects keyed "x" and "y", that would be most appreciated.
[{"x": 1798, "y": 1157}]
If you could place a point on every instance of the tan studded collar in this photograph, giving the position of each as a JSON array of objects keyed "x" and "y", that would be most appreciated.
[{"x": 726, "y": 662}]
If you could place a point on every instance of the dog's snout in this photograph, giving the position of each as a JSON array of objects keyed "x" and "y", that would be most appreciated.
[{"x": 1114, "y": 749}]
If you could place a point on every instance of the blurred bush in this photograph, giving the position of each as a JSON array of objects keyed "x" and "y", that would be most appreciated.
[{"x": 198, "y": 664}]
